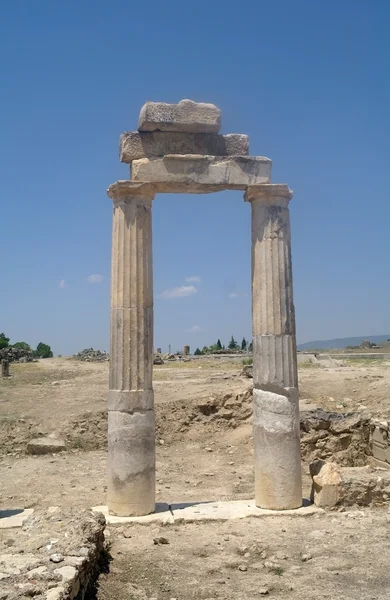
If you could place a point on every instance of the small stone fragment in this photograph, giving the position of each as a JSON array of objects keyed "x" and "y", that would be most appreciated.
[
  {"x": 263, "y": 591},
  {"x": 306, "y": 557},
  {"x": 56, "y": 558},
  {"x": 243, "y": 568},
  {"x": 45, "y": 445},
  {"x": 160, "y": 541}
]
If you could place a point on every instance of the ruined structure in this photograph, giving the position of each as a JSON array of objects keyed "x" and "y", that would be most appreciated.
[{"x": 177, "y": 149}]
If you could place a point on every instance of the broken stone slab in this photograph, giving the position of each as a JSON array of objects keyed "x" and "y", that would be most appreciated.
[
  {"x": 235, "y": 509},
  {"x": 14, "y": 517},
  {"x": 189, "y": 172},
  {"x": 143, "y": 144},
  {"x": 187, "y": 115},
  {"x": 334, "y": 485},
  {"x": 45, "y": 445}
]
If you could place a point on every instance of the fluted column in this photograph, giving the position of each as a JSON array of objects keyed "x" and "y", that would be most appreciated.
[
  {"x": 131, "y": 424},
  {"x": 275, "y": 380}
]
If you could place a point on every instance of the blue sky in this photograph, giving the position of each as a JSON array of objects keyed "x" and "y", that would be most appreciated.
[{"x": 308, "y": 81}]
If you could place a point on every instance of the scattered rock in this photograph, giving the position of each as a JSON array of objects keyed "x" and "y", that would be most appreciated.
[
  {"x": 157, "y": 360},
  {"x": 56, "y": 558},
  {"x": 247, "y": 371},
  {"x": 160, "y": 541},
  {"x": 306, "y": 557},
  {"x": 91, "y": 355},
  {"x": 45, "y": 445},
  {"x": 334, "y": 485},
  {"x": 16, "y": 355},
  {"x": 243, "y": 568}
]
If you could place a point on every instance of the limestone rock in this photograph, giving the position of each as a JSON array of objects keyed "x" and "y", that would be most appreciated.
[
  {"x": 193, "y": 117},
  {"x": 334, "y": 485},
  {"x": 178, "y": 173},
  {"x": 144, "y": 144},
  {"x": 45, "y": 445}
]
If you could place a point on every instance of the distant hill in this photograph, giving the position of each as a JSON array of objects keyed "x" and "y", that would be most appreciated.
[{"x": 339, "y": 343}]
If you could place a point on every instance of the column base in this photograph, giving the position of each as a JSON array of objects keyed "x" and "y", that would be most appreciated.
[
  {"x": 278, "y": 479},
  {"x": 131, "y": 463}
]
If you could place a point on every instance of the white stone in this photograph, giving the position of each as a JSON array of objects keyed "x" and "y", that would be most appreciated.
[
  {"x": 208, "y": 511},
  {"x": 68, "y": 573},
  {"x": 14, "y": 517},
  {"x": 177, "y": 173},
  {"x": 55, "y": 593},
  {"x": 187, "y": 115}
]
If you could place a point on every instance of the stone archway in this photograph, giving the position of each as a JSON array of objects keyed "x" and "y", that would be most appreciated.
[{"x": 177, "y": 149}]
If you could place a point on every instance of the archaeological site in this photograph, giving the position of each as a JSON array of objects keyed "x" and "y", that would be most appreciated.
[{"x": 230, "y": 474}]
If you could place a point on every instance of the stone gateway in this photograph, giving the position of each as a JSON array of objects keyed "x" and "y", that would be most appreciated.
[{"x": 178, "y": 149}]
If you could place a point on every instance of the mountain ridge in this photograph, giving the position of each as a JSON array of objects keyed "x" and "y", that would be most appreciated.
[{"x": 339, "y": 343}]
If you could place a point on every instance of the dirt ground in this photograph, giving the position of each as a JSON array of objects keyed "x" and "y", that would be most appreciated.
[{"x": 199, "y": 458}]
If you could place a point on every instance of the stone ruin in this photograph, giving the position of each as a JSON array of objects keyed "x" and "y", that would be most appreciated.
[{"x": 178, "y": 149}]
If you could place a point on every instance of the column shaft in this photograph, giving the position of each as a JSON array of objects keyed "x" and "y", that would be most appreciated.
[
  {"x": 131, "y": 426},
  {"x": 275, "y": 394}
]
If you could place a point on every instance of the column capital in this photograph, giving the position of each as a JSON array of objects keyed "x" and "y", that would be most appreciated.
[
  {"x": 124, "y": 191},
  {"x": 270, "y": 194}
]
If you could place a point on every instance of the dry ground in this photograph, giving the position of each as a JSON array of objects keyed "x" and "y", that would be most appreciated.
[{"x": 197, "y": 460}]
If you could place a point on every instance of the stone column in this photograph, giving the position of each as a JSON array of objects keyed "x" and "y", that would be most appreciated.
[
  {"x": 275, "y": 379},
  {"x": 131, "y": 425}
]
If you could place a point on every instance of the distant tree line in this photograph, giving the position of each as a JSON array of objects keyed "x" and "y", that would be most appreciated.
[
  {"x": 41, "y": 351},
  {"x": 218, "y": 347}
]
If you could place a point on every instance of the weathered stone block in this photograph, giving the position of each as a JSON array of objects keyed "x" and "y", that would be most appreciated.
[
  {"x": 45, "y": 445},
  {"x": 277, "y": 453},
  {"x": 145, "y": 144},
  {"x": 193, "y": 117},
  {"x": 334, "y": 485},
  {"x": 188, "y": 173}
]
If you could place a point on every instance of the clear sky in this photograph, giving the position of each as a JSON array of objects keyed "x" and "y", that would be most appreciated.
[{"x": 307, "y": 80}]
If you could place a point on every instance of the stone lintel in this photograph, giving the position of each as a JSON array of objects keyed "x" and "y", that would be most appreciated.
[
  {"x": 124, "y": 189},
  {"x": 145, "y": 144},
  {"x": 187, "y": 115},
  {"x": 232, "y": 172},
  {"x": 278, "y": 194}
]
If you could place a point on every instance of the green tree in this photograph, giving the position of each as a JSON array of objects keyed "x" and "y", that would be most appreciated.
[
  {"x": 198, "y": 352},
  {"x": 4, "y": 341},
  {"x": 250, "y": 347},
  {"x": 205, "y": 350},
  {"x": 244, "y": 344},
  {"x": 22, "y": 346},
  {"x": 218, "y": 344},
  {"x": 233, "y": 344},
  {"x": 43, "y": 351}
]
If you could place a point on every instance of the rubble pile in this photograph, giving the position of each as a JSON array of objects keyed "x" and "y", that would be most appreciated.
[
  {"x": 16, "y": 355},
  {"x": 91, "y": 355},
  {"x": 56, "y": 555},
  {"x": 343, "y": 437}
]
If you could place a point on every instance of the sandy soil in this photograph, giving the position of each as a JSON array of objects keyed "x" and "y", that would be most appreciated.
[{"x": 198, "y": 459}]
